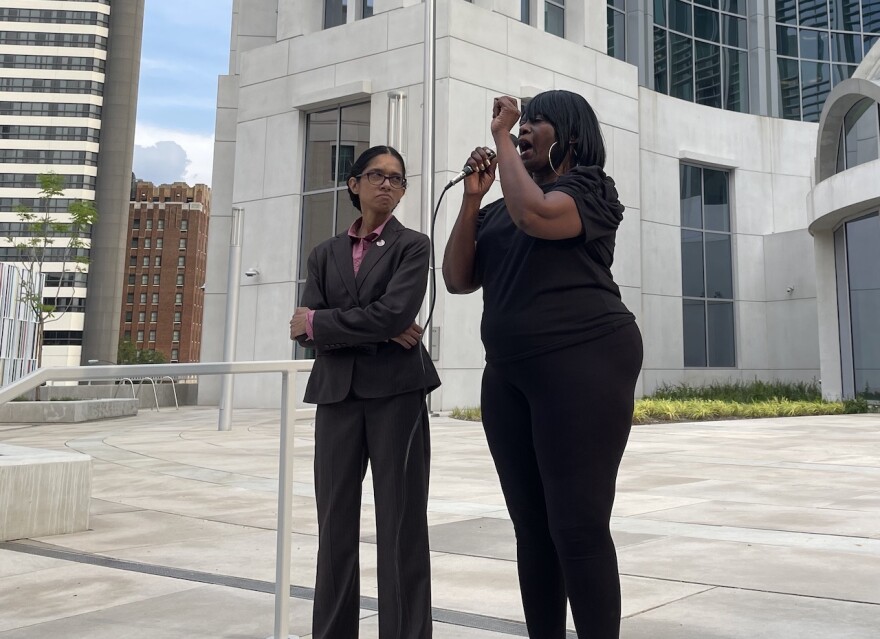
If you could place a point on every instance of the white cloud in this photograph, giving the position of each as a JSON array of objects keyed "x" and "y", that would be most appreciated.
[{"x": 163, "y": 155}]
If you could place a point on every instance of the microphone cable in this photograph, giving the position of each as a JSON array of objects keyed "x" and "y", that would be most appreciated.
[{"x": 422, "y": 409}]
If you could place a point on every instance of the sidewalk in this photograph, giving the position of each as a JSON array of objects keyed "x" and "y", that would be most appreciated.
[{"x": 743, "y": 529}]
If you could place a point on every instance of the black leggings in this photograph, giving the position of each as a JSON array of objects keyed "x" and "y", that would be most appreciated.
[{"x": 557, "y": 425}]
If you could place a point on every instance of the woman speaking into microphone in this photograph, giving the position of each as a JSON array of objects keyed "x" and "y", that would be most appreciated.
[
  {"x": 363, "y": 290},
  {"x": 562, "y": 352}
]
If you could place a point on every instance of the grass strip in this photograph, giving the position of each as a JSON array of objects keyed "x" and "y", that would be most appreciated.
[{"x": 653, "y": 410}]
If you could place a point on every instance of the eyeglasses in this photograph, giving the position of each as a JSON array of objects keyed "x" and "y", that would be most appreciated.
[{"x": 377, "y": 178}]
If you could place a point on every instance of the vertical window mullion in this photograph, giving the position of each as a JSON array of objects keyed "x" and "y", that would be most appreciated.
[{"x": 336, "y": 168}]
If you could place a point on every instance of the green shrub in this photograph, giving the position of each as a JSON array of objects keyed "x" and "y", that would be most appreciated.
[
  {"x": 740, "y": 391},
  {"x": 472, "y": 414}
]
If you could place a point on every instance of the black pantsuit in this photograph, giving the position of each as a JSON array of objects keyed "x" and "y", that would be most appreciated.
[
  {"x": 370, "y": 393},
  {"x": 347, "y": 435}
]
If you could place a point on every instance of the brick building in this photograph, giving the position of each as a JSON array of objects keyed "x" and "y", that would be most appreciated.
[{"x": 163, "y": 303}]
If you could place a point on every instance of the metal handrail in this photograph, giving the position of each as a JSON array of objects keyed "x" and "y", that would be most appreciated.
[
  {"x": 289, "y": 413},
  {"x": 121, "y": 383},
  {"x": 173, "y": 390},
  {"x": 153, "y": 383}
]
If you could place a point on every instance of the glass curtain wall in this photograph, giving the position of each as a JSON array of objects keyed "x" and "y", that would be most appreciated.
[{"x": 819, "y": 44}]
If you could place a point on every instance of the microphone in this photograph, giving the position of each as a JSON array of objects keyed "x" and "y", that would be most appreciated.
[{"x": 467, "y": 170}]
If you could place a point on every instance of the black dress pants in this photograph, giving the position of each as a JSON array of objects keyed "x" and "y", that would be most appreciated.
[
  {"x": 348, "y": 434},
  {"x": 557, "y": 425}
]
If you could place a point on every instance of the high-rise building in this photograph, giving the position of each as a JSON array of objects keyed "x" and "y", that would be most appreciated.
[
  {"x": 163, "y": 303},
  {"x": 68, "y": 93},
  {"x": 742, "y": 134},
  {"x": 18, "y": 325}
]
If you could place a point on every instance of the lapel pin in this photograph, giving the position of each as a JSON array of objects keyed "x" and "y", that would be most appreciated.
[{"x": 380, "y": 243}]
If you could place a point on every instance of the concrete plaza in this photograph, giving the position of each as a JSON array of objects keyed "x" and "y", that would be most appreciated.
[{"x": 732, "y": 529}]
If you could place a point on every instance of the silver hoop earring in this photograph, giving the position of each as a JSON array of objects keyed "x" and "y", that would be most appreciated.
[{"x": 550, "y": 160}]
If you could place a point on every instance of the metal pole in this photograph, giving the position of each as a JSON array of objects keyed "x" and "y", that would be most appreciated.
[
  {"x": 285, "y": 515},
  {"x": 429, "y": 78},
  {"x": 225, "y": 420}
]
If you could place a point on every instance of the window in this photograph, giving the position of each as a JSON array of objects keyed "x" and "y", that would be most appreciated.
[
  {"x": 706, "y": 268},
  {"x": 181, "y": 244},
  {"x": 181, "y": 262},
  {"x": 157, "y": 261},
  {"x": 147, "y": 243},
  {"x": 159, "y": 243},
  {"x": 175, "y": 336},
  {"x": 145, "y": 279},
  {"x": 146, "y": 262},
  {"x": 143, "y": 298},
  {"x": 132, "y": 261},
  {"x": 154, "y": 317},
  {"x": 129, "y": 298},
  {"x": 66, "y": 133},
  {"x": 177, "y": 317},
  {"x": 140, "y": 336},
  {"x": 701, "y": 52},
  {"x": 128, "y": 317},
  {"x": 136, "y": 223},
  {"x": 131, "y": 280},
  {"x": 326, "y": 206},
  {"x": 525, "y": 14},
  {"x": 152, "y": 336},
  {"x": 148, "y": 225},
  {"x": 156, "y": 279},
  {"x": 161, "y": 224},
  {"x": 175, "y": 354},
  {"x": 127, "y": 335},
  {"x": 180, "y": 279},
  {"x": 616, "y": 29},
  {"x": 335, "y": 13},
  {"x": 554, "y": 17},
  {"x": 134, "y": 242},
  {"x": 142, "y": 317},
  {"x": 155, "y": 298},
  {"x": 178, "y": 298},
  {"x": 859, "y": 137},
  {"x": 62, "y": 338},
  {"x": 184, "y": 225},
  {"x": 858, "y": 291}
]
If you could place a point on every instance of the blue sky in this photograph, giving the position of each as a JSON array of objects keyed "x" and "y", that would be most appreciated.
[{"x": 185, "y": 48}]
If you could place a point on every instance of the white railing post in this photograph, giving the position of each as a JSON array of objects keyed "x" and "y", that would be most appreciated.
[
  {"x": 285, "y": 505},
  {"x": 225, "y": 418}
]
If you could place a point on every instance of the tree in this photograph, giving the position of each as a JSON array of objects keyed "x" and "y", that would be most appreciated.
[
  {"x": 43, "y": 231},
  {"x": 128, "y": 353}
]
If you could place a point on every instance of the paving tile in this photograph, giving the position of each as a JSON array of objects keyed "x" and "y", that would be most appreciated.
[{"x": 723, "y": 613}]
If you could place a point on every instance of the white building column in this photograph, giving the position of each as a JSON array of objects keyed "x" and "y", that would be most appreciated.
[{"x": 829, "y": 333}]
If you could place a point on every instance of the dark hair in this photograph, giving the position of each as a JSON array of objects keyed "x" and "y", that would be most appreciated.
[
  {"x": 575, "y": 124},
  {"x": 361, "y": 163}
]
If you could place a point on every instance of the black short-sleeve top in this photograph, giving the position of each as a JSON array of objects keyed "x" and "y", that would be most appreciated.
[{"x": 540, "y": 295}]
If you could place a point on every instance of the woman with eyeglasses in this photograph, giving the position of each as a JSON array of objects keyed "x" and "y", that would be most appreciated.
[
  {"x": 562, "y": 352},
  {"x": 371, "y": 374}
]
